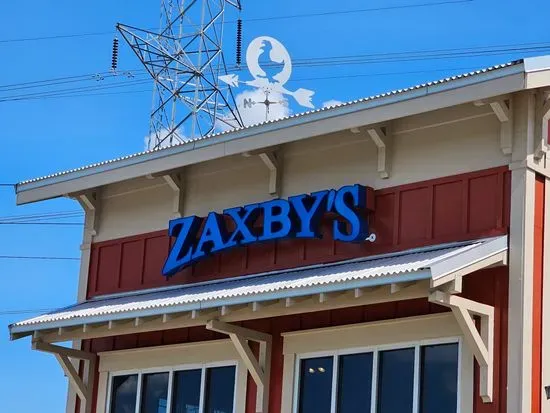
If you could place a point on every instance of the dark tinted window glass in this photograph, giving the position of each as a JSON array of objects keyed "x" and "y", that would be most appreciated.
[
  {"x": 315, "y": 385},
  {"x": 220, "y": 389},
  {"x": 123, "y": 394},
  {"x": 396, "y": 381},
  {"x": 354, "y": 383},
  {"x": 186, "y": 391},
  {"x": 154, "y": 393},
  {"x": 438, "y": 378}
]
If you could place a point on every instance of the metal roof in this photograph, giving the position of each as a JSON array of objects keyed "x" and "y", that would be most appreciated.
[
  {"x": 259, "y": 126},
  {"x": 411, "y": 265}
]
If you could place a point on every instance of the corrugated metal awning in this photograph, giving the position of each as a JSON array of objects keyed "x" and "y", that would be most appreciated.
[{"x": 437, "y": 265}]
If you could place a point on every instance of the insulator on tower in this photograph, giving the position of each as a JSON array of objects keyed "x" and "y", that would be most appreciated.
[
  {"x": 114, "y": 59},
  {"x": 239, "y": 40}
]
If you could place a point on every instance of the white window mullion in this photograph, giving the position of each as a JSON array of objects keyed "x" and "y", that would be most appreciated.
[
  {"x": 203, "y": 390},
  {"x": 374, "y": 382},
  {"x": 109, "y": 393},
  {"x": 416, "y": 381},
  {"x": 169, "y": 394},
  {"x": 138, "y": 401},
  {"x": 334, "y": 394}
]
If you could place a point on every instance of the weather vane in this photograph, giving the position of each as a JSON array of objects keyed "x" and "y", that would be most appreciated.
[{"x": 270, "y": 65}]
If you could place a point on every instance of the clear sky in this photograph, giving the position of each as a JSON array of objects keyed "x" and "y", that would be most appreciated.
[{"x": 44, "y": 135}]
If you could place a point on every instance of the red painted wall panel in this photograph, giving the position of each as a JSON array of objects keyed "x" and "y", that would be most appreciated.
[
  {"x": 487, "y": 286},
  {"x": 441, "y": 210}
]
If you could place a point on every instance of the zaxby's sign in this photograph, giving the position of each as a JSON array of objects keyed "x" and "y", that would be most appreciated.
[{"x": 298, "y": 217}]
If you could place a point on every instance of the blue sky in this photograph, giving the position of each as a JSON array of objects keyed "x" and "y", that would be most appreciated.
[{"x": 42, "y": 136}]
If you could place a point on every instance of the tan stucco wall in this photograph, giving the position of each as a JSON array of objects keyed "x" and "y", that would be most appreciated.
[{"x": 424, "y": 147}]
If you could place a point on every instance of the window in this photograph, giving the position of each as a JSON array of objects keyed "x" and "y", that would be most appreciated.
[
  {"x": 417, "y": 379},
  {"x": 207, "y": 389}
]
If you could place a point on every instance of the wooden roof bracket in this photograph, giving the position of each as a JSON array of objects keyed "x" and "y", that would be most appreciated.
[
  {"x": 259, "y": 368},
  {"x": 503, "y": 111},
  {"x": 383, "y": 139},
  {"x": 542, "y": 124},
  {"x": 271, "y": 161},
  {"x": 481, "y": 343},
  {"x": 83, "y": 387},
  {"x": 502, "y": 108},
  {"x": 175, "y": 181},
  {"x": 90, "y": 201}
]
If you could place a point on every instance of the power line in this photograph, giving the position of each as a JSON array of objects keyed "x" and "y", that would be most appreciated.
[
  {"x": 22, "y": 257},
  {"x": 257, "y": 19},
  {"x": 342, "y": 12},
  {"x": 328, "y": 61},
  {"x": 60, "y": 92},
  {"x": 390, "y": 56},
  {"x": 25, "y": 311}
]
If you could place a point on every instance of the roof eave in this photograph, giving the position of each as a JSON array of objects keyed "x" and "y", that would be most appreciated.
[{"x": 379, "y": 109}]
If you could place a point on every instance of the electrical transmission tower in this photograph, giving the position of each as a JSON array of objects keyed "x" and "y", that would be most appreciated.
[{"x": 185, "y": 59}]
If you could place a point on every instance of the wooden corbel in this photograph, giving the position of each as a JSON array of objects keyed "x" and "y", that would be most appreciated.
[
  {"x": 176, "y": 182},
  {"x": 270, "y": 159},
  {"x": 503, "y": 111},
  {"x": 481, "y": 343},
  {"x": 542, "y": 126},
  {"x": 259, "y": 368},
  {"x": 83, "y": 387},
  {"x": 383, "y": 140},
  {"x": 90, "y": 201}
]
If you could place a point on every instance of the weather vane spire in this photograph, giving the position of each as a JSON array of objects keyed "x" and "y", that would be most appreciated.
[{"x": 270, "y": 65}]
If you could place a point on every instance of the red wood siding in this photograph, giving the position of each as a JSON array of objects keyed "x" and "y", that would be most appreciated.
[
  {"x": 538, "y": 271},
  {"x": 488, "y": 286},
  {"x": 441, "y": 210}
]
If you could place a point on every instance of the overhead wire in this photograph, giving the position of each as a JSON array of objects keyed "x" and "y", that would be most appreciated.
[
  {"x": 25, "y": 311},
  {"x": 45, "y": 258},
  {"x": 322, "y": 61},
  {"x": 257, "y": 19}
]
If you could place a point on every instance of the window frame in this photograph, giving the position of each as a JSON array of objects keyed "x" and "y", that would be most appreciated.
[
  {"x": 375, "y": 350},
  {"x": 171, "y": 370}
]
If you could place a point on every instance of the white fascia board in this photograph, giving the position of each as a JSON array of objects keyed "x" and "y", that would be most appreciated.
[
  {"x": 472, "y": 255},
  {"x": 209, "y": 304},
  {"x": 536, "y": 64},
  {"x": 537, "y": 72},
  {"x": 379, "y": 109}
]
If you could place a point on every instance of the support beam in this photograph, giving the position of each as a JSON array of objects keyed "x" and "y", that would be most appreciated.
[
  {"x": 83, "y": 387},
  {"x": 176, "y": 184},
  {"x": 481, "y": 343},
  {"x": 396, "y": 287},
  {"x": 383, "y": 141},
  {"x": 270, "y": 160},
  {"x": 503, "y": 110},
  {"x": 90, "y": 201},
  {"x": 542, "y": 123},
  {"x": 258, "y": 368}
]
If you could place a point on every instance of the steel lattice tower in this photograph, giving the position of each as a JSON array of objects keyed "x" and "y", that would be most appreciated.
[{"x": 185, "y": 59}]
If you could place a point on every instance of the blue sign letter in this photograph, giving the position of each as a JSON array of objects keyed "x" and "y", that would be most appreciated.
[
  {"x": 242, "y": 217},
  {"x": 185, "y": 231},
  {"x": 277, "y": 222},
  {"x": 309, "y": 211},
  {"x": 212, "y": 237},
  {"x": 348, "y": 199}
]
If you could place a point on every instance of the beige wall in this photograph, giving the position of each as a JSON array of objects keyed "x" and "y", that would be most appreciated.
[{"x": 424, "y": 147}]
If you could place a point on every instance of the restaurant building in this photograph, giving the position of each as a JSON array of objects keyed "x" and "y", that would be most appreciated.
[{"x": 383, "y": 255}]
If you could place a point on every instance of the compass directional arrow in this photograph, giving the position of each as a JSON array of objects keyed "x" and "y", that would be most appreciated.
[{"x": 232, "y": 80}]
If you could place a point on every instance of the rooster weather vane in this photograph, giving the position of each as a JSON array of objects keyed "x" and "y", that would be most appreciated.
[{"x": 270, "y": 65}]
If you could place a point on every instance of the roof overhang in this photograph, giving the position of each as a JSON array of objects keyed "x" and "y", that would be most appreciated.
[
  {"x": 390, "y": 277},
  {"x": 481, "y": 85}
]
